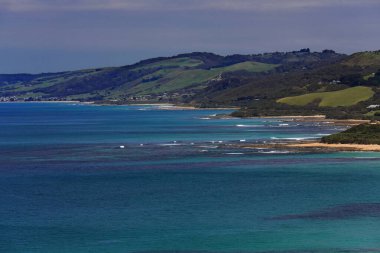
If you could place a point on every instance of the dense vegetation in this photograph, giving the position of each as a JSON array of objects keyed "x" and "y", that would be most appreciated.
[
  {"x": 298, "y": 82},
  {"x": 361, "y": 134}
]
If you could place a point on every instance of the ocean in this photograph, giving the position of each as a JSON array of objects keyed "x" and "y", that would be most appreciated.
[{"x": 78, "y": 178}]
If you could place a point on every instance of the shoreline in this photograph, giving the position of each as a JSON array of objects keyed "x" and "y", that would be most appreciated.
[
  {"x": 160, "y": 106},
  {"x": 313, "y": 118},
  {"x": 313, "y": 146},
  {"x": 323, "y": 120},
  {"x": 168, "y": 106},
  {"x": 302, "y": 145},
  {"x": 55, "y": 102},
  {"x": 337, "y": 146}
]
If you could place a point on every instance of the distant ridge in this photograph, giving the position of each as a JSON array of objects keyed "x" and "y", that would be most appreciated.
[{"x": 254, "y": 82}]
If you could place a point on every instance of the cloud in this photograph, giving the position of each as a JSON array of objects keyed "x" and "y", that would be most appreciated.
[{"x": 174, "y": 5}]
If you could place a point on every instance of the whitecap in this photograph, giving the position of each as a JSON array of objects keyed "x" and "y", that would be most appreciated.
[
  {"x": 241, "y": 125},
  {"x": 208, "y": 146},
  {"x": 293, "y": 138},
  {"x": 275, "y": 152}
]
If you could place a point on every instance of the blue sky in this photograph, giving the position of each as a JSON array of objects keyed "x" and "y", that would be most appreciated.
[{"x": 57, "y": 35}]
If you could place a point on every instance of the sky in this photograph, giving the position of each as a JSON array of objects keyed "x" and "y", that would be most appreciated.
[{"x": 59, "y": 35}]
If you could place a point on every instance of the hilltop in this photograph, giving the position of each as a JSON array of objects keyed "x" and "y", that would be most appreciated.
[{"x": 278, "y": 83}]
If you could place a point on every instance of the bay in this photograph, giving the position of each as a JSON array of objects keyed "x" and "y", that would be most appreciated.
[{"x": 179, "y": 184}]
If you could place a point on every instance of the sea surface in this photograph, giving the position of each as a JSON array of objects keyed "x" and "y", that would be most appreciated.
[{"x": 180, "y": 184}]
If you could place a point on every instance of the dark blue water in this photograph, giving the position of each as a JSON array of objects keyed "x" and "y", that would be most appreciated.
[{"x": 180, "y": 184}]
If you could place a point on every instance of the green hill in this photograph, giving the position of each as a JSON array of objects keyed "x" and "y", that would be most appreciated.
[
  {"x": 184, "y": 73},
  {"x": 361, "y": 134},
  {"x": 297, "y": 82},
  {"x": 180, "y": 77},
  {"x": 346, "y": 97},
  {"x": 363, "y": 59}
]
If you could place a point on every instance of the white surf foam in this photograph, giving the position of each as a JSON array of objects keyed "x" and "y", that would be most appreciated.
[
  {"x": 294, "y": 138},
  {"x": 241, "y": 125},
  {"x": 274, "y": 152}
]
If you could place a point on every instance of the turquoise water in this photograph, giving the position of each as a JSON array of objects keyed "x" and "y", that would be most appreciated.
[{"x": 66, "y": 186}]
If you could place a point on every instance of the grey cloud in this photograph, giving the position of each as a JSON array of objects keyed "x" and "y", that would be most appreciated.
[
  {"x": 174, "y": 5},
  {"x": 69, "y": 34}
]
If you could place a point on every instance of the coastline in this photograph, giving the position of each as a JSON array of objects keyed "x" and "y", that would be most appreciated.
[
  {"x": 299, "y": 145},
  {"x": 168, "y": 106},
  {"x": 322, "y": 119},
  {"x": 313, "y": 146},
  {"x": 337, "y": 147},
  {"x": 316, "y": 145},
  {"x": 55, "y": 102}
]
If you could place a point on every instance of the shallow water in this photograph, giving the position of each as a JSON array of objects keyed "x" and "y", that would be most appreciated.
[{"x": 66, "y": 186}]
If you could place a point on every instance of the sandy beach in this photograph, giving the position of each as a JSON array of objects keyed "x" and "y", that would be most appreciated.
[
  {"x": 338, "y": 147},
  {"x": 312, "y": 146}
]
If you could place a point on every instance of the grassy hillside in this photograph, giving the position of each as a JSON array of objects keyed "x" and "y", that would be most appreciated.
[
  {"x": 361, "y": 134},
  {"x": 297, "y": 82},
  {"x": 346, "y": 97},
  {"x": 155, "y": 77},
  {"x": 363, "y": 59},
  {"x": 180, "y": 62},
  {"x": 179, "y": 78},
  {"x": 247, "y": 66},
  {"x": 187, "y": 74}
]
